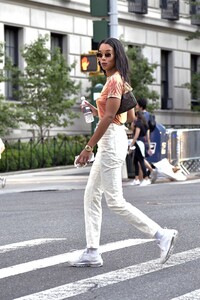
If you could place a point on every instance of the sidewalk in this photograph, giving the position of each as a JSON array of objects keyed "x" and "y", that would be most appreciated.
[{"x": 58, "y": 178}]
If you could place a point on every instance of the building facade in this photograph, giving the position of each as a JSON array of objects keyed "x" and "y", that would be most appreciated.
[{"x": 161, "y": 27}]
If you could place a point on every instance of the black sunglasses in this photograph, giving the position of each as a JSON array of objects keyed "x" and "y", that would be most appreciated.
[{"x": 100, "y": 55}]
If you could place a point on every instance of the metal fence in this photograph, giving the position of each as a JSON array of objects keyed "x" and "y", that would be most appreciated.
[
  {"x": 184, "y": 148},
  {"x": 24, "y": 154}
]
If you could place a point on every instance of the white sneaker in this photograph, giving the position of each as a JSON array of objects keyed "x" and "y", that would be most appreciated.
[
  {"x": 135, "y": 182},
  {"x": 145, "y": 182},
  {"x": 166, "y": 244},
  {"x": 87, "y": 259}
]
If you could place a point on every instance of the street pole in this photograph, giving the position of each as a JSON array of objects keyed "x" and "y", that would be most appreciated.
[{"x": 113, "y": 19}]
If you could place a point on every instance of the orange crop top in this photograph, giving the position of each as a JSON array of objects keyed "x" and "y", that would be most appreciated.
[{"x": 113, "y": 88}]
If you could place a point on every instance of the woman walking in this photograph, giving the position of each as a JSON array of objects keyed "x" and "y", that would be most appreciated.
[
  {"x": 105, "y": 175},
  {"x": 2, "y": 148},
  {"x": 140, "y": 135}
]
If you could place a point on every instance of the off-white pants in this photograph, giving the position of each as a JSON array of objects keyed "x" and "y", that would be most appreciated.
[{"x": 105, "y": 177}]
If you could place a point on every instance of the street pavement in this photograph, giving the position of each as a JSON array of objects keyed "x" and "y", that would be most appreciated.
[
  {"x": 58, "y": 178},
  {"x": 42, "y": 227}
]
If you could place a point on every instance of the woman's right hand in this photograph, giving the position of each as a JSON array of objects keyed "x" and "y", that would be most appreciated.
[
  {"x": 82, "y": 159},
  {"x": 92, "y": 107}
]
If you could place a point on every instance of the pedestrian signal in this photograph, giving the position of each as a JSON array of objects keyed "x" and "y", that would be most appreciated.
[{"x": 89, "y": 63}]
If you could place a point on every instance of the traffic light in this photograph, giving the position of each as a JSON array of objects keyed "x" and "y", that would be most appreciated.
[
  {"x": 89, "y": 63},
  {"x": 100, "y": 30},
  {"x": 99, "y": 8}
]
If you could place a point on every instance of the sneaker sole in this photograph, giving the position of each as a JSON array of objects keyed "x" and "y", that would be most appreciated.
[
  {"x": 86, "y": 265},
  {"x": 171, "y": 248}
]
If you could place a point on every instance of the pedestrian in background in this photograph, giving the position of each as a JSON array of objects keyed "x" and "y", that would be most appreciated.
[
  {"x": 105, "y": 175},
  {"x": 2, "y": 148},
  {"x": 140, "y": 129},
  {"x": 142, "y": 106}
]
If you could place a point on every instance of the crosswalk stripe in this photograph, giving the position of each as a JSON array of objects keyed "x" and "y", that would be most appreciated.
[
  {"x": 30, "y": 243},
  {"x": 194, "y": 295},
  {"x": 105, "y": 279},
  {"x": 63, "y": 258}
]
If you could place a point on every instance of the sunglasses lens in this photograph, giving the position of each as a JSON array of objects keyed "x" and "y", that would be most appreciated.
[{"x": 100, "y": 55}]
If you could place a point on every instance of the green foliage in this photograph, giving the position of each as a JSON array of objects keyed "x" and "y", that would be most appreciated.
[
  {"x": 141, "y": 74},
  {"x": 94, "y": 81},
  {"x": 8, "y": 115},
  {"x": 46, "y": 90},
  {"x": 194, "y": 17},
  {"x": 194, "y": 88},
  {"x": 43, "y": 153},
  {"x": 193, "y": 35}
]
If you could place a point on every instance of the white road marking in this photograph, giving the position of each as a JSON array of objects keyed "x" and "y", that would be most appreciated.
[
  {"x": 44, "y": 179},
  {"x": 63, "y": 258},
  {"x": 30, "y": 243},
  {"x": 194, "y": 295},
  {"x": 105, "y": 279}
]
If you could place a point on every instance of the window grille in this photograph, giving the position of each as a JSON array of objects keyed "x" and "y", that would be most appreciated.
[
  {"x": 138, "y": 6},
  {"x": 169, "y": 9}
]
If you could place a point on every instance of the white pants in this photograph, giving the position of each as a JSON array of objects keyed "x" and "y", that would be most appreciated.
[{"x": 105, "y": 177}]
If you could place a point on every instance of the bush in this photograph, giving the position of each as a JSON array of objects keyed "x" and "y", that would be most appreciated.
[{"x": 44, "y": 153}]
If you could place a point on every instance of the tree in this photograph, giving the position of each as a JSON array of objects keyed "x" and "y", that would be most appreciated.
[
  {"x": 8, "y": 113},
  {"x": 195, "y": 18},
  {"x": 45, "y": 89},
  {"x": 95, "y": 79},
  {"x": 194, "y": 85},
  {"x": 141, "y": 76},
  {"x": 194, "y": 88}
]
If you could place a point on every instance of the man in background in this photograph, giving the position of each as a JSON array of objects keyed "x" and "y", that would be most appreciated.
[
  {"x": 2, "y": 148},
  {"x": 141, "y": 106}
]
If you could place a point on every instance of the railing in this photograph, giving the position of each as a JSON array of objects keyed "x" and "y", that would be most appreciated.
[
  {"x": 184, "y": 148},
  {"x": 22, "y": 154}
]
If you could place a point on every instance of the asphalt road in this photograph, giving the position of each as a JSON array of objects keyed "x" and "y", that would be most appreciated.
[{"x": 42, "y": 224}]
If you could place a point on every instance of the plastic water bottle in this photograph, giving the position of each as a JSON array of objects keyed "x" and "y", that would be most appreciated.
[{"x": 89, "y": 118}]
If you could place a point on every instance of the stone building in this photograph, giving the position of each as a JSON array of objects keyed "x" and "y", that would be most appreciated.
[{"x": 160, "y": 26}]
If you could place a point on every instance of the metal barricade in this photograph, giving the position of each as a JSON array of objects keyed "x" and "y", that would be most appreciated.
[{"x": 183, "y": 148}]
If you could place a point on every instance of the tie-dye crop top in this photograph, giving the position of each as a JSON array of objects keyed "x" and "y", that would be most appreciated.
[{"x": 113, "y": 88}]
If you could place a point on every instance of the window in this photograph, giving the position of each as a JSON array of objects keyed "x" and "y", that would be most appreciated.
[
  {"x": 12, "y": 51},
  {"x": 166, "y": 80},
  {"x": 57, "y": 41},
  {"x": 195, "y": 85}
]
